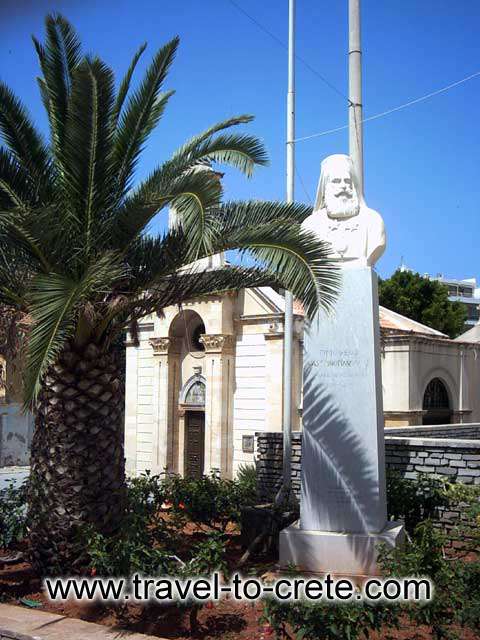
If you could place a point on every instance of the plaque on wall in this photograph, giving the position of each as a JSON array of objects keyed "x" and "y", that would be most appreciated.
[{"x": 248, "y": 444}]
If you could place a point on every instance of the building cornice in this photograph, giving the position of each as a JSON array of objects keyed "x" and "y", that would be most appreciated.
[{"x": 415, "y": 338}]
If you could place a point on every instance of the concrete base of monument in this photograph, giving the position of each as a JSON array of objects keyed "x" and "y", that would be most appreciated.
[{"x": 352, "y": 554}]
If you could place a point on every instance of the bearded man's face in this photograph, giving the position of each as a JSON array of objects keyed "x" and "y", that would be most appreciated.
[{"x": 341, "y": 199}]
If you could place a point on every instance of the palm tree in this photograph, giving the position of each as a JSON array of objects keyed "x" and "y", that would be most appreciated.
[{"x": 77, "y": 259}]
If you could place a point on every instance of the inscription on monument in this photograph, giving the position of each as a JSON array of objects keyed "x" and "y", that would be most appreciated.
[{"x": 337, "y": 365}]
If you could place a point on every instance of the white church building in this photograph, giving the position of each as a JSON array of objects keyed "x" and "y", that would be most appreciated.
[{"x": 205, "y": 378}]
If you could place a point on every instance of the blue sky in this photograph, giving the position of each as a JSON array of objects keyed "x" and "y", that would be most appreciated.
[{"x": 421, "y": 164}]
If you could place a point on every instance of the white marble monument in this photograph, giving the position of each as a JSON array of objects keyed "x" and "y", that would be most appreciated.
[{"x": 343, "y": 513}]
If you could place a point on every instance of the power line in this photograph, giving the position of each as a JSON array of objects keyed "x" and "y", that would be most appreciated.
[
  {"x": 305, "y": 190},
  {"x": 284, "y": 46},
  {"x": 389, "y": 111}
]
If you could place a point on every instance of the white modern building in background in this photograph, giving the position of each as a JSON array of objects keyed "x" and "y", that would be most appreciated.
[{"x": 466, "y": 292}]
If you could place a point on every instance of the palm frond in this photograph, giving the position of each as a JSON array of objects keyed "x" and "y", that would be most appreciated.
[
  {"x": 294, "y": 257},
  {"x": 87, "y": 179},
  {"x": 15, "y": 187},
  {"x": 181, "y": 287},
  {"x": 191, "y": 144},
  {"x": 284, "y": 254},
  {"x": 242, "y": 152},
  {"x": 15, "y": 233},
  {"x": 191, "y": 194},
  {"x": 58, "y": 59},
  {"x": 54, "y": 303},
  {"x": 251, "y": 213},
  {"x": 16, "y": 270},
  {"x": 125, "y": 86},
  {"x": 151, "y": 259},
  {"x": 239, "y": 151},
  {"x": 142, "y": 113},
  {"x": 21, "y": 137}
]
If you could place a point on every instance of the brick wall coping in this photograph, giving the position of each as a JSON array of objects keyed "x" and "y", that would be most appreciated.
[
  {"x": 453, "y": 443},
  {"x": 432, "y": 443},
  {"x": 435, "y": 428}
]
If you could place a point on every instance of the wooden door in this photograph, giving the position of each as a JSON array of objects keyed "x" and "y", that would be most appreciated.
[{"x": 195, "y": 443}]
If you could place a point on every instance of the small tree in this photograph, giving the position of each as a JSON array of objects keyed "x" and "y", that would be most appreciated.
[{"x": 423, "y": 300}]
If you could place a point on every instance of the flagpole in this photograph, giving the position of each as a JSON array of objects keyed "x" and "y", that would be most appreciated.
[
  {"x": 355, "y": 89},
  {"x": 288, "y": 323}
]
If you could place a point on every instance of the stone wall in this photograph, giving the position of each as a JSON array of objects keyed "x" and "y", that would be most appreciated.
[
  {"x": 459, "y": 459},
  {"x": 456, "y": 459},
  {"x": 269, "y": 449}
]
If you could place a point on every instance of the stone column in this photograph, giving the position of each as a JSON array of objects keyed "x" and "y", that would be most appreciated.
[
  {"x": 274, "y": 378},
  {"x": 219, "y": 375},
  {"x": 165, "y": 401},
  {"x": 180, "y": 442},
  {"x": 131, "y": 393}
]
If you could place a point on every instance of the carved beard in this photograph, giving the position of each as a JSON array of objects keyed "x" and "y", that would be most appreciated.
[{"x": 342, "y": 207}]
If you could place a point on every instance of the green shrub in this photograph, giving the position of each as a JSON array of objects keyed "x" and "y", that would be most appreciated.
[
  {"x": 468, "y": 574},
  {"x": 323, "y": 621},
  {"x": 148, "y": 541},
  {"x": 456, "y": 597},
  {"x": 209, "y": 555},
  {"x": 145, "y": 541},
  {"x": 13, "y": 514},
  {"x": 417, "y": 500},
  {"x": 210, "y": 502},
  {"x": 124, "y": 555},
  {"x": 247, "y": 479},
  {"x": 414, "y": 501}
]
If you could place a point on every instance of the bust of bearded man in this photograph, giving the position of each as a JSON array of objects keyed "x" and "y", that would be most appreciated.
[{"x": 341, "y": 217}]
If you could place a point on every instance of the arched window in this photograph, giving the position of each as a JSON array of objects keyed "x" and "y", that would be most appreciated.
[
  {"x": 436, "y": 396},
  {"x": 195, "y": 344},
  {"x": 189, "y": 326},
  {"x": 436, "y": 403},
  {"x": 195, "y": 394}
]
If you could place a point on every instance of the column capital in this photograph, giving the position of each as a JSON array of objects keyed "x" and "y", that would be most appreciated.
[
  {"x": 218, "y": 342},
  {"x": 164, "y": 346}
]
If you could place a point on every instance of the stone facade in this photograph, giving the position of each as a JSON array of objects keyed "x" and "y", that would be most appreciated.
[
  {"x": 410, "y": 361},
  {"x": 229, "y": 350}
]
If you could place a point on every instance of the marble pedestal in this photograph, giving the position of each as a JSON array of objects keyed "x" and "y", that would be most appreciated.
[
  {"x": 343, "y": 513},
  {"x": 347, "y": 554}
]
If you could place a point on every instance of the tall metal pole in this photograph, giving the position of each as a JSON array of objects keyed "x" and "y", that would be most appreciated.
[
  {"x": 355, "y": 89},
  {"x": 288, "y": 324}
]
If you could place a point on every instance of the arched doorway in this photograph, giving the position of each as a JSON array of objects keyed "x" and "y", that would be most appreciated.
[
  {"x": 192, "y": 404},
  {"x": 188, "y": 432},
  {"x": 436, "y": 403}
]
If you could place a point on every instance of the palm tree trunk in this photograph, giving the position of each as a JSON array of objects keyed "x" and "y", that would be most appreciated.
[{"x": 77, "y": 459}]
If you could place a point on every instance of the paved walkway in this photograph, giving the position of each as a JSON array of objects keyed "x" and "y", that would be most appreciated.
[
  {"x": 19, "y": 623},
  {"x": 15, "y": 475}
]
